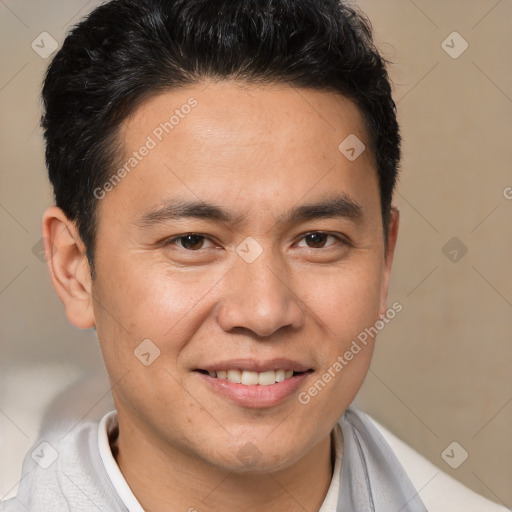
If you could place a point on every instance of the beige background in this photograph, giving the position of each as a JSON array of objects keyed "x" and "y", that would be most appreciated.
[{"x": 441, "y": 372}]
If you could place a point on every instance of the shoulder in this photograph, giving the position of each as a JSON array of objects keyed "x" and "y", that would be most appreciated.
[
  {"x": 64, "y": 469},
  {"x": 438, "y": 490}
]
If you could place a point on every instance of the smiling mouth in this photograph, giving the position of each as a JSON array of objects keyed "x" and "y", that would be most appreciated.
[{"x": 250, "y": 378}]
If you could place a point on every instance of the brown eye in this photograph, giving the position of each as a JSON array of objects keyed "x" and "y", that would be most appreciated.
[
  {"x": 190, "y": 241},
  {"x": 317, "y": 240}
]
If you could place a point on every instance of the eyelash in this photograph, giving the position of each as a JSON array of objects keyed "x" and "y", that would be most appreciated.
[{"x": 339, "y": 239}]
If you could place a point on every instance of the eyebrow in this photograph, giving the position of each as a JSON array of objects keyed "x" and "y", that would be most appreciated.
[{"x": 341, "y": 206}]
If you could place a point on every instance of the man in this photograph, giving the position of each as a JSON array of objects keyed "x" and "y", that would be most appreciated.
[{"x": 223, "y": 176}]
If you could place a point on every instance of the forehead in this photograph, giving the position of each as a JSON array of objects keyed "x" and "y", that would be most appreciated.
[
  {"x": 273, "y": 113},
  {"x": 246, "y": 142}
]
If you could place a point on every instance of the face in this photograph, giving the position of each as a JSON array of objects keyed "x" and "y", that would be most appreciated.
[{"x": 241, "y": 245}]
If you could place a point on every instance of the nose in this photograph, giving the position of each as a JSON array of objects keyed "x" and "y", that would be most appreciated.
[{"x": 259, "y": 297}]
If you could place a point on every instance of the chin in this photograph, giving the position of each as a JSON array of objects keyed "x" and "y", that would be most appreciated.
[
  {"x": 257, "y": 457},
  {"x": 252, "y": 462}
]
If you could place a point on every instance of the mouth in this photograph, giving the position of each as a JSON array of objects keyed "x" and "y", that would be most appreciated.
[
  {"x": 253, "y": 378},
  {"x": 253, "y": 384}
]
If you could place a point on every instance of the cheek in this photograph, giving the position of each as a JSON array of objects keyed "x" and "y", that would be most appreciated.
[
  {"x": 132, "y": 305},
  {"x": 347, "y": 303},
  {"x": 346, "y": 306},
  {"x": 155, "y": 301},
  {"x": 346, "y": 300}
]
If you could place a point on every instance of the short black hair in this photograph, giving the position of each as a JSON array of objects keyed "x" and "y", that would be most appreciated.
[{"x": 127, "y": 51}]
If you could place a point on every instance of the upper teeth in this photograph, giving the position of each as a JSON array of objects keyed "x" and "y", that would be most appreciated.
[{"x": 253, "y": 378}]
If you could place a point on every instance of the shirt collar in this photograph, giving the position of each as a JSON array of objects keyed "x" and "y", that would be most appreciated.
[{"x": 108, "y": 427}]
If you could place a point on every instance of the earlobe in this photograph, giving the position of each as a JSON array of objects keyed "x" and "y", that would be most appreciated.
[
  {"x": 69, "y": 268},
  {"x": 394, "y": 222}
]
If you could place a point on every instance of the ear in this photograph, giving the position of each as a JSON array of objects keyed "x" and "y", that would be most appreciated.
[
  {"x": 69, "y": 268},
  {"x": 388, "y": 258}
]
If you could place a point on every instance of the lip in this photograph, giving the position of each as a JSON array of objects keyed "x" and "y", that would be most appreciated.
[
  {"x": 256, "y": 396},
  {"x": 253, "y": 365}
]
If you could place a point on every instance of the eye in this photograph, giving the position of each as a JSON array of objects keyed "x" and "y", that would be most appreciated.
[
  {"x": 191, "y": 241},
  {"x": 318, "y": 240}
]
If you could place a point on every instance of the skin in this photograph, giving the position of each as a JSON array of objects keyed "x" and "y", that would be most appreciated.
[{"x": 256, "y": 151}]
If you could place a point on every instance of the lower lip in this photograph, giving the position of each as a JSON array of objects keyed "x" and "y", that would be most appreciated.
[{"x": 255, "y": 396}]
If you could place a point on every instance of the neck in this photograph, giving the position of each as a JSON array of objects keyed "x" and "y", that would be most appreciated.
[{"x": 171, "y": 479}]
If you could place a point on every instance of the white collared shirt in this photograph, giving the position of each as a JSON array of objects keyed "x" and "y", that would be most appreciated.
[
  {"x": 109, "y": 422},
  {"x": 439, "y": 491}
]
